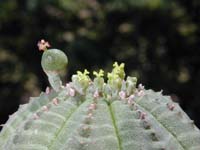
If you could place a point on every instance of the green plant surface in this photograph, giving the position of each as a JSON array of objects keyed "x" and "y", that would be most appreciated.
[{"x": 88, "y": 114}]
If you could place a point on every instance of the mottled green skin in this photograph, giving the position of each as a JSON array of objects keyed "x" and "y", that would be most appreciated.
[{"x": 93, "y": 115}]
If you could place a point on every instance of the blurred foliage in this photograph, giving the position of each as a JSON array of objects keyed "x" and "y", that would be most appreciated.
[{"x": 159, "y": 41}]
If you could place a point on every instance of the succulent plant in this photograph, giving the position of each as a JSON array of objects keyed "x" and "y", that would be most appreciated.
[{"x": 88, "y": 114}]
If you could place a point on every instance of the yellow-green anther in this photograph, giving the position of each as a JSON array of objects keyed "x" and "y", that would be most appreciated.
[
  {"x": 116, "y": 76},
  {"x": 99, "y": 80},
  {"x": 112, "y": 76},
  {"x": 100, "y": 74},
  {"x": 83, "y": 76},
  {"x": 81, "y": 81},
  {"x": 119, "y": 70}
]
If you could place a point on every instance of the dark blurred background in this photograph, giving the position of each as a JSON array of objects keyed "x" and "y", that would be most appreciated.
[{"x": 159, "y": 40}]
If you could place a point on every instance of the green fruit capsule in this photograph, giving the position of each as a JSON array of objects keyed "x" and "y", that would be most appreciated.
[
  {"x": 54, "y": 63},
  {"x": 54, "y": 60}
]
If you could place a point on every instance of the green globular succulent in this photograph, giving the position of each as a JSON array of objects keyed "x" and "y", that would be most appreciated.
[{"x": 88, "y": 114}]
